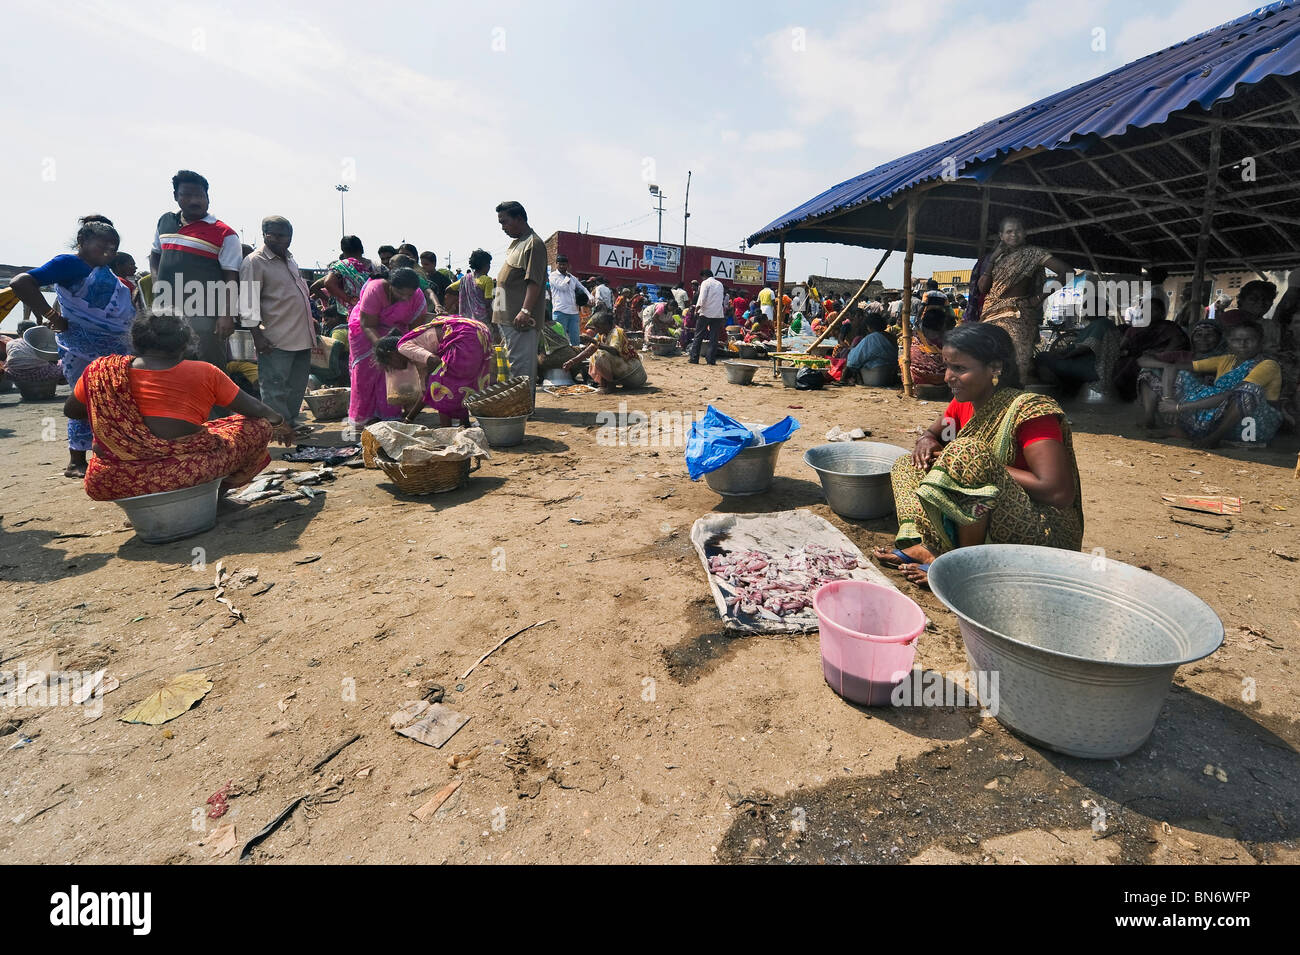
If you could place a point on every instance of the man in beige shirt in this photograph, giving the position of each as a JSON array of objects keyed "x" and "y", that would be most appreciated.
[
  {"x": 517, "y": 306},
  {"x": 276, "y": 307}
]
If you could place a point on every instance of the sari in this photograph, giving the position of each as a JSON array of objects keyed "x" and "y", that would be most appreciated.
[
  {"x": 99, "y": 311},
  {"x": 625, "y": 368},
  {"x": 473, "y": 303},
  {"x": 463, "y": 347},
  {"x": 353, "y": 273},
  {"x": 1254, "y": 405},
  {"x": 131, "y": 460},
  {"x": 1018, "y": 316},
  {"x": 369, "y": 387},
  {"x": 969, "y": 480},
  {"x": 927, "y": 362}
]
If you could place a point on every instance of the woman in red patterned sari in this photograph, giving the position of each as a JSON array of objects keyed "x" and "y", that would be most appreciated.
[{"x": 149, "y": 416}]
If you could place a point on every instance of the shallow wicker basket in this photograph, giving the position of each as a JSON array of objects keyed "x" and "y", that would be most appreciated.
[
  {"x": 329, "y": 404},
  {"x": 506, "y": 399},
  {"x": 431, "y": 477}
]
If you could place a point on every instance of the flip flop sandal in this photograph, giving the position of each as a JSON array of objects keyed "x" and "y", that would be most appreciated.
[{"x": 904, "y": 560}]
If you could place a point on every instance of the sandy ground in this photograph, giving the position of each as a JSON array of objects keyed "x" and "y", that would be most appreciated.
[{"x": 630, "y": 729}]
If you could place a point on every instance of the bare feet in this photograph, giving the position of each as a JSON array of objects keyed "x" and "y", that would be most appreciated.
[
  {"x": 75, "y": 470},
  {"x": 916, "y": 575}
]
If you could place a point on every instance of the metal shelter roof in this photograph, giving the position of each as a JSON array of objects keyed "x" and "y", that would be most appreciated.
[{"x": 1112, "y": 172}]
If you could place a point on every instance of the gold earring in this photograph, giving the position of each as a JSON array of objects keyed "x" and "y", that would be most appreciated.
[{"x": 995, "y": 381}]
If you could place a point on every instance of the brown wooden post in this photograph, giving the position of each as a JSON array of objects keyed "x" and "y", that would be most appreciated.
[
  {"x": 1207, "y": 217},
  {"x": 905, "y": 306}
]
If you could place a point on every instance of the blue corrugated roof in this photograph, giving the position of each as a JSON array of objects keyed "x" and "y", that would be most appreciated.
[{"x": 1201, "y": 70}]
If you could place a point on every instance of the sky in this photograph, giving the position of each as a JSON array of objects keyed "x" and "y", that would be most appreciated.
[{"x": 432, "y": 113}]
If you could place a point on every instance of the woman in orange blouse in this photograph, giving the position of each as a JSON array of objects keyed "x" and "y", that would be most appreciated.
[{"x": 149, "y": 416}]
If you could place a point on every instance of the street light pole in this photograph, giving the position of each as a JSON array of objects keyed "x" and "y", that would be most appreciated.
[
  {"x": 342, "y": 221},
  {"x": 826, "y": 270},
  {"x": 654, "y": 191}
]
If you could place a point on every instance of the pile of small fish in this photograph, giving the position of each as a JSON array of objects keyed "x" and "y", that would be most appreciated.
[
  {"x": 773, "y": 587},
  {"x": 285, "y": 484}
]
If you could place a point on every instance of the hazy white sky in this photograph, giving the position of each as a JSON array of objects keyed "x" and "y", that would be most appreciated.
[{"x": 433, "y": 113}]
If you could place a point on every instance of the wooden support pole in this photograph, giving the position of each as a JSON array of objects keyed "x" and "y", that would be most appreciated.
[
  {"x": 905, "y": 306},
  {"x": 780, "y": 290},
  {"x": 1207, "y": 219}
]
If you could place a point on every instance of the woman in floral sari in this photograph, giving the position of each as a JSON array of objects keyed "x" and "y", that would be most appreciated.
[
  {"x": 93, "y": 314},
  {"x": 1012, "y": 284},
  {"x": 614, "y": 362},
  {"x": 150, "y": 414},
  {"x": 455, "y": 353},
  {"x": 1242, "y": 405},
  {"x": 996, "y": 467},
  {"x": 342, "y": 284},
  {"x": 1157, "y": 370},
  {"x": 386, "y": 306},
  {"x": 927, "y": 348}
]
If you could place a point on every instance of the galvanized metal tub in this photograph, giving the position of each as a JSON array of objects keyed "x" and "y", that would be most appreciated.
[
  {"x": 752, "y": 471},
  {"x": 1083, "y": 647},
  {"x": 878, "y": 377},
  {"x": 503, "y": 432},
  {"x": 739, "y": 373},
  {"x": 171, "y": 515},
  {"x": 855, "y": 476},
  {"x": 788, "y": 375}
]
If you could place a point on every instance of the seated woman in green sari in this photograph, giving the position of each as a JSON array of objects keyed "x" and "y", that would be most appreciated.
[{"x": 996, "y": 467}]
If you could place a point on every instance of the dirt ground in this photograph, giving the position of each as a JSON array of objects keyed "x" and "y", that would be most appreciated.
[{"x": 630, "y": 729}]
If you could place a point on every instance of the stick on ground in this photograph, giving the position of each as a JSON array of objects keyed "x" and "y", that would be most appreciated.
[
  {"x": 503, "y": 642},
  {"x": 335, "y": 751}
]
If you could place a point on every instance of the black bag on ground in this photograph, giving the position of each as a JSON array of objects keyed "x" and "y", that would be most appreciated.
[{"x": 809, "y": 379}]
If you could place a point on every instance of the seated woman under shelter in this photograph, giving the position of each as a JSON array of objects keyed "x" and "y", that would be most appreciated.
[
  {"x": 149, "y": 417},
  {"x": 1242, "y": 405},
  {"x": 997, "y": 466}
]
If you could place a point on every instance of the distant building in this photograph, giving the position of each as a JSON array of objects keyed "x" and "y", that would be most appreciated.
[{"x": 628, "y": 262}]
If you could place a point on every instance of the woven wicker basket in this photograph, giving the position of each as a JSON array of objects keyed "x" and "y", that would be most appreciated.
[
  {"x": 431, "y": 477},
  {"x": 507, "y": 399},
  {"x": 369, "y": 449}
]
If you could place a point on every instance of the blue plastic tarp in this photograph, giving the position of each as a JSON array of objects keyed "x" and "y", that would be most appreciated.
[{"x": 717, "y": 438}]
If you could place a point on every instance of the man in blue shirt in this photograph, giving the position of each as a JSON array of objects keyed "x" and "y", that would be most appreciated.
[{"x": 875, "y": 350}]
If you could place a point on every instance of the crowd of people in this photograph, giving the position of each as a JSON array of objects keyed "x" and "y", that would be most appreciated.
[{"x": 164, "y": 402}]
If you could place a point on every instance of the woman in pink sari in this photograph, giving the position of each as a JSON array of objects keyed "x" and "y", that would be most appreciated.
[
  {"x": 386, "y": 306},
  {"x": 455, "y": 355}
]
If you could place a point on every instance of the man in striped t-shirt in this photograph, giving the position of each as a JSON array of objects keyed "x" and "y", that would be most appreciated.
[{"x": 195, "y": 263}]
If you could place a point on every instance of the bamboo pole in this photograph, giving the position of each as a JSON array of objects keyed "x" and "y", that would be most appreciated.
[
  {"x": 1207, "y": 219},
  {"x": 862, "y": 289},
  {"x": 905, "y": 306},
  {"x": 780, "y": 290}
]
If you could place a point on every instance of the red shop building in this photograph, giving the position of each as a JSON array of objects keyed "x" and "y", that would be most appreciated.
[{"x": 628, "y": 262}]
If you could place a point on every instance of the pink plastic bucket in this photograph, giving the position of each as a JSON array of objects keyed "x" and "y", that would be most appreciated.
[{"x": 868, "y": 638}]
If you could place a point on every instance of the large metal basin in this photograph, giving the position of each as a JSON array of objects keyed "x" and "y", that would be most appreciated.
[
  {"x": 171, "y": 515},
  {"x": 752, "y": 471},
  {"x": 739, "y": 373},
  {"x": 1084, "y": 647},
  {"x": 855, "y": 477},
  {"x": 503, "y": 432}
]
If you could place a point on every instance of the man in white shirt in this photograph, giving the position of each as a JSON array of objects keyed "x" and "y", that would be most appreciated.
[
  {"x": 564, "y": 297},
  {"x": 604, "y": 293},
  {"x": 681, "y": 297},
  {"x": 710, "y": 317}
]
